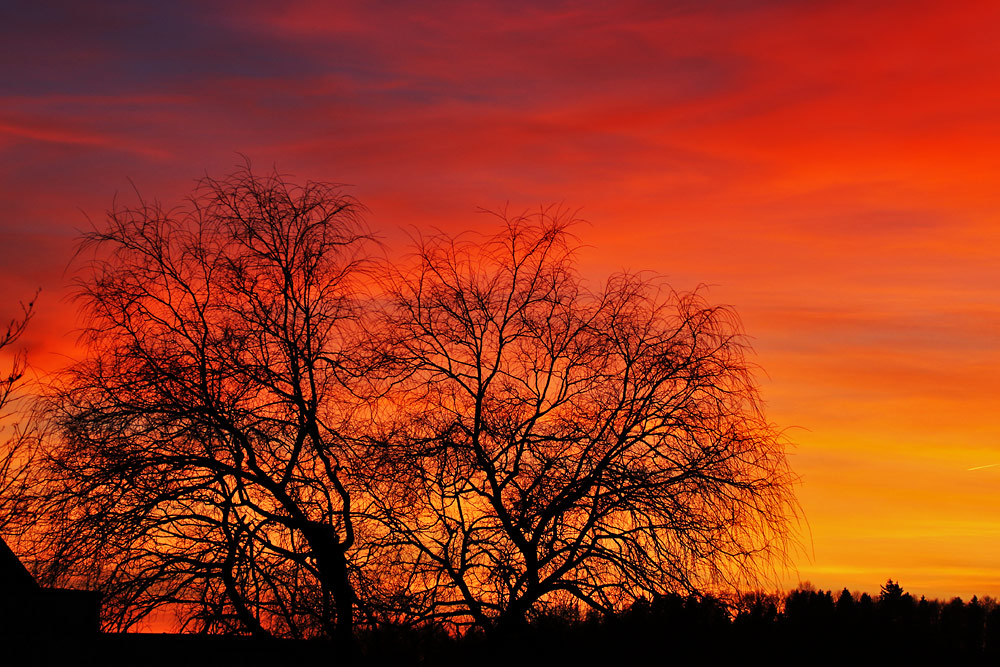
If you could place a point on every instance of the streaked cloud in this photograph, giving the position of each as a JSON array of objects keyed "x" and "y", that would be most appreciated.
[{"x": 828, "y": 168}]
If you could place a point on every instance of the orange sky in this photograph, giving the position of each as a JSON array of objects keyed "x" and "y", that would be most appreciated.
[{"x": 828, "y": 168}]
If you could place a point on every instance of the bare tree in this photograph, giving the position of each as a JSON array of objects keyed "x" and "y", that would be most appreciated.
[
  {"x": 16, "y": 453},
  {"x": 551, "y": 444},
  {"x": 251, "y": 445},
  {"x": 200, "y": 461}
]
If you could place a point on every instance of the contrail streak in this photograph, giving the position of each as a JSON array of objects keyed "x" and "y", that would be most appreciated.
[{"x": 991, "y": 465}]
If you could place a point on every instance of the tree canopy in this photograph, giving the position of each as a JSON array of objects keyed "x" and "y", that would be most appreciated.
[
  {"x": 273, "y": 431},
  {"x": 199, "y": 453},
  {"x": 553, "y": 444}
]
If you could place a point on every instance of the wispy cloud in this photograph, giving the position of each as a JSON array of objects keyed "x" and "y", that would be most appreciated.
[{"x": 829, "y": 167}]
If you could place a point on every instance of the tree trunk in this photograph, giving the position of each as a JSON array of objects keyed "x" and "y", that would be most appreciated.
[
  {"x": 331, "y": 562},
  {"x": 343, "y": 596}
]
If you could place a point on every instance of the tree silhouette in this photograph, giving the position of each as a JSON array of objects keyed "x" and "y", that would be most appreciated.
[
  {"x": 251, "y": 445},
  {"x": 200, "y": 460},
  {"x": 553, "y": 444},
  {"x": 892, "y": 593},
  {"x": 15, "y": 452}
]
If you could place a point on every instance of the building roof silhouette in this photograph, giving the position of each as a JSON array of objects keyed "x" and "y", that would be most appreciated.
[{"x": 14, "y": 576}]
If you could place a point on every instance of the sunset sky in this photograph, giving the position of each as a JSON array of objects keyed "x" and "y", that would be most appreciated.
[{"x": 829, "y": 169}]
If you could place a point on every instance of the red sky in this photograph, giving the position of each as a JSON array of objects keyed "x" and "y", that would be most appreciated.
[{"x": 827, "y": 168}]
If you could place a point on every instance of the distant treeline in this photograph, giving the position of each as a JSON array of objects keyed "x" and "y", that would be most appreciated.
[{"x": 805, "y": 626}]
